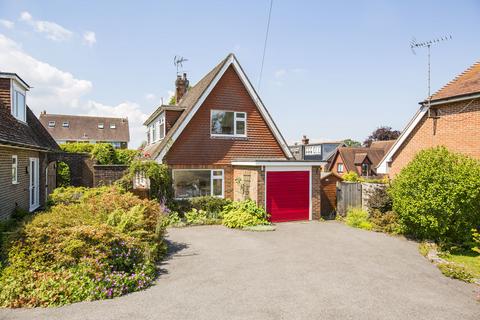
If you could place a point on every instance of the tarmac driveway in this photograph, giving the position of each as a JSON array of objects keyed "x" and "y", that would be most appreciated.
[{"x": 308, "y": 270}]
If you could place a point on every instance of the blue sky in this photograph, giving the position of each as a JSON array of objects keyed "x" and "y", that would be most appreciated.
[{"x": 333, "y": 70}]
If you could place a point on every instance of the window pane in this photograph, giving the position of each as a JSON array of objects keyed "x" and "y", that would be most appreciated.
[
  {"x": 241, "y": 115},
  {"x": 217, "y": 187},
  {"x": 20, "y": 101},
  {"x": 222, "y": 122},
  {"x": 162, "y": 131},
  {"x": 241, "y": 127},
  {"x": 193, "y": 183},
  {"x": 217, "y": 173}
]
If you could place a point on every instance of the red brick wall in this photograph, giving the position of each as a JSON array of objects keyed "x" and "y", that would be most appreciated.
[
  {"x": 336, "y": 160},
  {"x": 457, "y": 128},
  {"x": 316, "y": 193},
  {"x": 195, "y": 146},
  {"x": 106, "y": 175},
  {"x": 5, "y": 92}
]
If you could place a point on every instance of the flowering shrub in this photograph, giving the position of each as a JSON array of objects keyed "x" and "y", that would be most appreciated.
[
  {"x": 101, "y": 244},
  {"x": 244, "y": 214}
]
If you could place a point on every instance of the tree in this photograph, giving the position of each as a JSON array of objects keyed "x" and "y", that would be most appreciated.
[
  {"x": 351, "y": 143},
  {"x": 381, "y": 134}
]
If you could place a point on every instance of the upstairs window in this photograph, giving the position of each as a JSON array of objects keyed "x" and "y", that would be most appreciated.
[
  {"x": 229, "y": 123},
  {"x": 154, "y": 132},
  {"x": 18, "y": 105},
  {"x": 51, "y": 124},
  {"x": 14, "y": 169},
  {"x": 66, "y": 124},
  {"x": 161, "y": 127},
  {"x": 113, "y": 126},
  {"x": 339, "y": 167},
  {"x": 365, "y": 169},
  {"x": 100, "y": 126}
]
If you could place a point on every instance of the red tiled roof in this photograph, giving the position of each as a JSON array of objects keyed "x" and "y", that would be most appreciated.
[{"x": 467, "y": 82}]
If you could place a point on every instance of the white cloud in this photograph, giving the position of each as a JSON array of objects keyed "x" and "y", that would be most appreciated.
[
  {"x": 58, "y": 91},
  {"x": 150, "y": 96},
  {"x": 51, "y": 30},
  {"x": 7, "y": 24},
  {"x": 89, "y": 38}
]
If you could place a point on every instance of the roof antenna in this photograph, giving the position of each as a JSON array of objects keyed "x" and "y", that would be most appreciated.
[
  {"x": 427, "y": 44},
  {"x": 178, "y": 62}
]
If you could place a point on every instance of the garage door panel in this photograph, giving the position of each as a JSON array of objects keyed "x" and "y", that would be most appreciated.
[{"x": 288, "y": 195}]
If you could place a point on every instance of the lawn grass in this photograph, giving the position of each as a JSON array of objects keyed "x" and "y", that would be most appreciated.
[{"x": 469, "y": 260}]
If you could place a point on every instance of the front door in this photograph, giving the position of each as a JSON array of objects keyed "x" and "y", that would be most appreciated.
[{"x": 34, "y": 187}]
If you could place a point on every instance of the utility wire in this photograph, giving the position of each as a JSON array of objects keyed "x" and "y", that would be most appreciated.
[{"x": 265, "y": 44}]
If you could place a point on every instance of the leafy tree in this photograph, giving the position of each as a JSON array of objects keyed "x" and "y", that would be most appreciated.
[
  {"x": 381, "y": 134},
  {"x": 352, "y": 143},
  {"x": 437, "y": 196},
  {"x": 172, "y": 101},
  {"x": 104, "y": 153}
]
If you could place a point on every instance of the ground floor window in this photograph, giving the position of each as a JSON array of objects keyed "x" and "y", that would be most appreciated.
[{"x": 189, "y": 183}]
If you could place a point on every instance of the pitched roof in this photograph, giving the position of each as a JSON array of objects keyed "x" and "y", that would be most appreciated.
[
  {"x": 86, "y": 128},
  {"x": 467, "y": 82},
  {"x": 385, "y": 145},
  {"x": 159, "y": 110},
  {"x": 355, "y": 155},
  {"x": 190, "y": 102},
  {"x": 29, "y": 135}
]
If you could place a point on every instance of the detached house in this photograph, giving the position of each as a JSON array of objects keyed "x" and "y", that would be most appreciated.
[
  {"x": 220, "y": 140},
  {"x": 452, "y": 120},
  {"x": 27, "y": 174}
]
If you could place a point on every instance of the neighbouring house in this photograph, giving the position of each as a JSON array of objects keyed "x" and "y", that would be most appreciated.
[
  {"x": 71, "y": 128},
  {"x": 361, "y": 160},
  {"x": 318, "y": 151},
  {"x": 220, "y": 140},
  {"x": 27, "y": 167},
  {"x": 450, "y": 119}
]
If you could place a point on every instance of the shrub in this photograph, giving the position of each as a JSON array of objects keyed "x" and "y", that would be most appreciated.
[
  {"x": 351, "y": 177},
  {"x": 243, "y": 214},
  {"x": 212, "y": 205},
  {"x": 195, "y": 216},
  {"x": 77, "y": 147},
  {"x": 63, "y": 174},
  {"x": 104, "y": 153},
  {"x": 456, "y": 271},
  {"x": 126, "y": 156},
  {"x": 66, "y": 195},
  {"x": 100, "y": 245},
  {"x": 358, "y": 218},
  {"x": 476, "y": 240},
  {"x": 437, "y": 196},
  {"x": 379, "y": 199},
  {"x": 384, "y": 221}
]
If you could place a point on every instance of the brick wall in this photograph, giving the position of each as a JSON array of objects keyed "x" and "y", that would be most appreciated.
[
  {"x": 316, "y": 192},
  {"x": 81, "y": 167},
  {"x": 457, "y": 128},
  {"x": 105, "y": 175},
  {"x": 5, "y": 96}
]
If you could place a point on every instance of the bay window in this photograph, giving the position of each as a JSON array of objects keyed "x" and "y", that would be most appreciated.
[
  {"x": 228, "y": 123},
  {"x": 189, "y": 183}
]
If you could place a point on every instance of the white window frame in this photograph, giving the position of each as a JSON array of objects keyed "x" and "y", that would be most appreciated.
[
  {"x": 65, "y": 124},
  {"x": 340, "y": 164},
  {"x": 20, "y": 115},
  {"x": 101, "y": 125},
  {"x": 161, "y": 132},
  {"x": 235, "y": 119},
  {"x": 113, "y": 126},
  {"x": 212, "y": 177},
  {"x": 51, "y": 124},
  {"x": 15, "y": 166}
]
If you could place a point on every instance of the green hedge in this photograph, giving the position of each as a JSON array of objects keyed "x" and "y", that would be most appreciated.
[
  {"x": 437, "y": 196},
  {"x": 244, "y": 214},
  {"x": 103, "y": 153},
  {"x": 93, "y": 244}
]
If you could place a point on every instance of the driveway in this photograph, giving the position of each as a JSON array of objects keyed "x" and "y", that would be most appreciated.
[{"x": 310, "y": 270}]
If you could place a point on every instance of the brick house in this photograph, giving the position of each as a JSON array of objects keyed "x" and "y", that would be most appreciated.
[
  {"x": 361, "y": 160},
  {"x": 219, "y": 140},
  {"x": 27, "y": 172},
  {"x": 71, "y": 128},
  {"x": 318, "y": 151},
  {"x": 452, "y": 120}
]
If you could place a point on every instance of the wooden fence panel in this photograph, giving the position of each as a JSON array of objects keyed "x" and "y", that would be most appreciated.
[{"x": 349, "y": 195}]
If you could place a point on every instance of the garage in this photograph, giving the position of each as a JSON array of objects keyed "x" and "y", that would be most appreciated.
[{"x": 288, "y": 195}]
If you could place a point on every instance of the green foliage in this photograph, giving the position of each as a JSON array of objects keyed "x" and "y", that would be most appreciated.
[
  {"x": 379, "y": 200},
  {"x": 63, "y": 174},
  {"x": 101, "y": 244},
  {"x": 195, "y": 216},
  {"x": 384, "y": 221},
  {"x": 212, "y": 205},
  {"x": 456, "y": 271},
  {"x": 172, "y": 101},
  {"x": 476, "y": 240},
  {"x": 77, "y": 147},
  {"x": 351, "y": 176},
  {"x": 104, "y": 153},
  {"x": 66, "y": 195},
  {"x": 358, "y": 218},
  {"x": 244, "y": 214},
  {"x": 126, "y": 156},
  {"x": 424, "y": 248},
  {"x": 352, "y": 143},
  {"x": 437, "y": 196}
]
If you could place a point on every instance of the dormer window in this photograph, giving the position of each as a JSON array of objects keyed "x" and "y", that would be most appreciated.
[
  {"x": 100, "y": 126},
  {"x": 113, "y": 126},
  {"x": 51, "y": 124},
  {"x": 66, "y": 124},
  {"x": 161, "y": 127},
  {"x": 18, "y": 104}
]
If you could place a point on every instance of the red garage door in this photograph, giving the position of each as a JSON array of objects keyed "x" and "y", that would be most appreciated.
[{"x": 288, "y": 195}]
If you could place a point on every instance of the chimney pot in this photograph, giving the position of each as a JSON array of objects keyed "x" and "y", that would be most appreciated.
[{"x": 305, "y": 140}]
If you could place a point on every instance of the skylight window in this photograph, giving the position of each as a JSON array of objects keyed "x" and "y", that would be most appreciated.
[
  {"x": 51, "y": 124},
  {"x": 66, "y": 124},
  {"x": 100, "y": 126},
  {"x": 113, "y": 126}
]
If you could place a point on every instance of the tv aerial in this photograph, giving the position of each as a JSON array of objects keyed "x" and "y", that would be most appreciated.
[{"x": 178, "y": 62}]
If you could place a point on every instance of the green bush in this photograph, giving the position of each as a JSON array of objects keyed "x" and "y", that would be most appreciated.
[
  {"x": 351, "y": 176},
  {"x": 63, "y": 174},
  {"x": 100, "y": 245},
  {"x": 66, "y": 195},
  {"x": 77, "y": 147},
  {"x": 456, "y": 271},
  {"x": 213, "y": 206},
  {"x": 358, "y": 218},
  {"x": 244, "y": 214},
  {"x": 476, "y": 240},
  {"x": 126, "y": 156},
  {"x": 384, "y": 221},
  {"x": 195, "y": 216},
  {"x": 379, "y": 200},
  {"x": 437, "y": 196},
  {"x": 104, "y": 153}
]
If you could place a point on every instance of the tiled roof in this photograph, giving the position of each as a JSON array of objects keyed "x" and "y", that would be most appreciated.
[
  {"x": 353, "y": 155},
  {"x": 385, "y": 145},
  {"x": 467, "y": 82},
  {"x": 86, "y": 128},
  {"x": 30, "y": 135},
  {"x": 159, "y": 110},
  {"x": 187, "y": 102}
]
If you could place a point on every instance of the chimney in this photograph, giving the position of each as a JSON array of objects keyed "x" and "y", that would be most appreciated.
[
  {"x": 44, "y": 112},
  {"x": 305, "y": 140},
  {"x": 181, "y": 87}
]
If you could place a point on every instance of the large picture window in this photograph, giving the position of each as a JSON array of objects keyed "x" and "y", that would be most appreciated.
[
  {"x": 229, "y": 123},
  {"x": 197, "y": 183}
]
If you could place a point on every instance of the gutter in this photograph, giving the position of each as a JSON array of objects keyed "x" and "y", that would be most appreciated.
[{"x": 451, "y": 99}]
